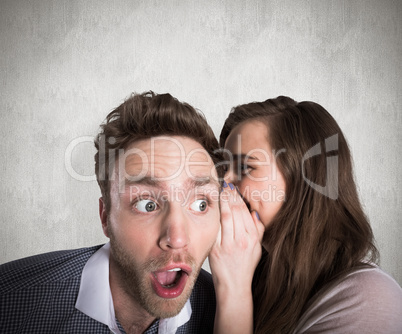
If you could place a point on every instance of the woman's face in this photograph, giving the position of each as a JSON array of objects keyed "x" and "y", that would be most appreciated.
[{"x": 252, "y": 168}]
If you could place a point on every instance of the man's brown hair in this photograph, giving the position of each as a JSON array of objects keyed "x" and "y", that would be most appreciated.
[{"x": 143, "y": 116}]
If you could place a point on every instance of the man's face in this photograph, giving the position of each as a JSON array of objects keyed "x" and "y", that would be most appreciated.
[{"x": 163, "y": 221}]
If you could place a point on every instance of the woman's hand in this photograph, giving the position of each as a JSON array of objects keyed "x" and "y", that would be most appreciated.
[{"x": 233, "y": 260}]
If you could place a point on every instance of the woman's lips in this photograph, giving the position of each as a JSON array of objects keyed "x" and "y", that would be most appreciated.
[{"x": 170, "y": 281}]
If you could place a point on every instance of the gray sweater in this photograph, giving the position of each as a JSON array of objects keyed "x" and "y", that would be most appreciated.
[{"x": 366, "y": 300}]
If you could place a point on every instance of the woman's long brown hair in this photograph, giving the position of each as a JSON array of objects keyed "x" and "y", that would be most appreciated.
[{"x": 319, "y": 233}]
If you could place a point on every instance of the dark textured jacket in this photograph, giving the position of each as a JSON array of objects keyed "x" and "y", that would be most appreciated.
[{"x": 38, "y": 295}]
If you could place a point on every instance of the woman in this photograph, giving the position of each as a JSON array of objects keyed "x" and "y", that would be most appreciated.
[{"x": 291, "y": 165}]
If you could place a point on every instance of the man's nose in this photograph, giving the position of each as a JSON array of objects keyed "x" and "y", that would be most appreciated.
[{"x": 175, "y": 229}]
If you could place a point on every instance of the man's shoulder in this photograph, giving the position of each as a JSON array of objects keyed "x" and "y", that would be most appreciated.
[
  {"x": 203, "y": 305},
  {"x": 43, "y": 268},
  {"x": 38, "y": 294},
  {"x": 204, "y": 287},
  {"x": 205, "y": 280}
]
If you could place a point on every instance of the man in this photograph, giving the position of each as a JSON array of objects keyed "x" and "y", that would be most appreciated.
[{"x": 155, "y": 166}]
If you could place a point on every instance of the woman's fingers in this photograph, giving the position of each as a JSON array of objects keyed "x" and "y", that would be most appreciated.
[
  {"x": 234, "y": 214},
  {"x": 244, "y": 222},
  {"x": 218, "y": 241},
  {"x": 258, "y": 225},
  {"x": 238, "y": 249},
  {"x": 236, "y": 221},
  {"x": 227, "y": 231},
  {"x": 240, "y": 213}
]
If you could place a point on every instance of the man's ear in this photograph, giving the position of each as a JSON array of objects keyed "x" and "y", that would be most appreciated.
[{"x": 103, "y": 216}]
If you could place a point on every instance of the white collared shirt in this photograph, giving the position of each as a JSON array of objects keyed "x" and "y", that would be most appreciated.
[{"x": 95, "y": 298}]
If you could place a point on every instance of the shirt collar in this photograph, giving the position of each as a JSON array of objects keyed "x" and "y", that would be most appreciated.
[{"x": 95, "y": 298}]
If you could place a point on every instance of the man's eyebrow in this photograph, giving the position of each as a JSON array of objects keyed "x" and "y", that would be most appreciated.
[
  {"x": 201, "y": 182},
  {"x": 145, "y": 181},
  {"x": 155, "y": 183}
]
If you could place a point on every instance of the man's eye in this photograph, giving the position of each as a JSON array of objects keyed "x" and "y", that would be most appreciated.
[
  {"x": 145, "y": 205},
  {"x": 199, "y": 205}
]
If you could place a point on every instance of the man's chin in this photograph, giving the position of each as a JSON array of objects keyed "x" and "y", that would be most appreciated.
[{"x": 167, "y": 308}]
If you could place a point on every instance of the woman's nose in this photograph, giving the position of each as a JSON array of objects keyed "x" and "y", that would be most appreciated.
[{"x": 230, "y": 177}]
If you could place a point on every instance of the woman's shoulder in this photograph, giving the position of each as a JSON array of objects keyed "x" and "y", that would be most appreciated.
[
  {"x": 368, "y": 282},
  {"x": 365, "y": 300}
]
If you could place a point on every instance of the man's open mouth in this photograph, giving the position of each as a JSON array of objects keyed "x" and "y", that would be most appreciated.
[{"x": 170, "y": 282}]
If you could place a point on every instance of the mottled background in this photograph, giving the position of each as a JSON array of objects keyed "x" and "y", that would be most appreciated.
[{"x": 65, "y": 64}]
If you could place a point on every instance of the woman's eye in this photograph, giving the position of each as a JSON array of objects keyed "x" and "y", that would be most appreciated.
[
  {"x": 145, "y": 205},
  {"x": 245, "y": 169},
  {"x": 199, "y": 205},
  {"x": 225, "y": 167}
]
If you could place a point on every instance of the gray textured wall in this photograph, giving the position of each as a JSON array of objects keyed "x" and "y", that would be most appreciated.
[{"x": 65, "y": 64}]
